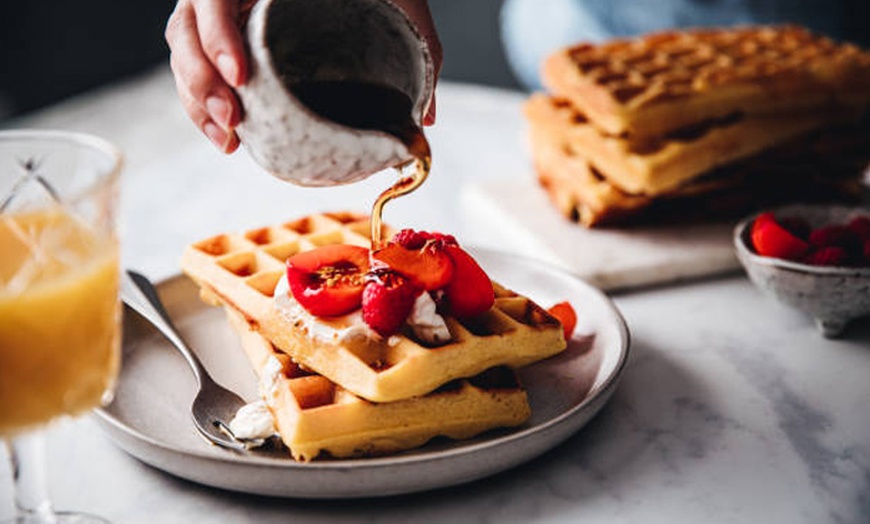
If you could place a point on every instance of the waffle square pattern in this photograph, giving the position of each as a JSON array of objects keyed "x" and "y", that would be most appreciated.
[
  {"x": 241, "y": 271},
  {"x": 317, "y": 417},
  {"x": 660, "y": 82}
]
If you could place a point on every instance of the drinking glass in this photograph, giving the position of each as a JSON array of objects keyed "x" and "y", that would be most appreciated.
[{"x": 59, "y": 308}]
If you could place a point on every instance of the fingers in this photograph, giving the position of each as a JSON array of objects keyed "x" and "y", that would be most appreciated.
[
  {"x": 429, "y": 117},
  {"x": 225, "y": 140},
  {"x": 436, "y": 52},
  {"x": 203, "y": 89},
  {"x": 221, "y": 38}
]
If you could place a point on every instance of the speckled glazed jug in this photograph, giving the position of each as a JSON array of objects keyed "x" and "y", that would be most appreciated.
[{"x": 295, "y": 42}]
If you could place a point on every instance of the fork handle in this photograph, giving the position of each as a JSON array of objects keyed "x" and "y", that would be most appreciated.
[{"x": 140, "y": 295}]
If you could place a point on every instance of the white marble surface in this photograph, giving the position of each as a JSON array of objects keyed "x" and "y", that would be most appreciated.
[
  {"x": 732, "y": 408},
  {"x": 522, "y": 217}
]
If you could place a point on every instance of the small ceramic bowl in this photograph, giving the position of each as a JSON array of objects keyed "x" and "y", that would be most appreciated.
[{"x": 832, "y": 295}]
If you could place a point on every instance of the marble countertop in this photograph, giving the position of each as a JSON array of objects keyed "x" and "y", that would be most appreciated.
[{"x": 732, "y": 408}]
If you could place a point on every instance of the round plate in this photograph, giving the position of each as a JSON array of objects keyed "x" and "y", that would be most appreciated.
[{"x": 150, "y": 417}]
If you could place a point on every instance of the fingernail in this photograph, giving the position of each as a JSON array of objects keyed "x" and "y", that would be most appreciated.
[
  {"x": 220, "y": 110},
  {"x": 214, "y": 133},
  {"x": 429, "y": 118},
  {"x": 227, "y": 66}
]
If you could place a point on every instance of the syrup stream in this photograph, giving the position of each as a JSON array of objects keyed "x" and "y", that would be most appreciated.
[
  {"x": 362, "y": 105},
  {"x": 404, "y": 186}
]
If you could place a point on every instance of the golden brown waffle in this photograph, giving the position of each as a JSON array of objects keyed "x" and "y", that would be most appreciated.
[
  {"x": 242, "y": 271},
  {"x": 659, "y": 165},
  {"x": 577, "y": 190},
  {"x": 826, "y": 168},
  {"x": 315, "y": 416},
  {"x": 654, "y": 84}
]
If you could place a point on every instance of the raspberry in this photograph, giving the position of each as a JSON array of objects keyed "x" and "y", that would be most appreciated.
[
  {"x": 828, "y": 256},
  {"x": 410, "y": 239},
  {"x": 860, "y": 225},
  {"x": 387, "y": 301},
  {"x": 834, "y": 235},
  {"x": 447, "y": 240}
]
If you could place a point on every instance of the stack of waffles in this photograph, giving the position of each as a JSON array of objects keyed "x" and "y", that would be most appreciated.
[
  {"x": 335, "y": 392},
  {"x": 713, "y": 120}
]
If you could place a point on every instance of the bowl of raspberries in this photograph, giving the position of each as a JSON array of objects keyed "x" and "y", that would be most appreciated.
[{"x": 815, "y": 258}]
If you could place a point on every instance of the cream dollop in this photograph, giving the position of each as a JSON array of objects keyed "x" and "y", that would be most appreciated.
[
  {"x": 424, "y": 320},
  {"x": 253, "y": 421},
  {"x": 426, "y": 323},
  {"x": 346, "y": 328}
]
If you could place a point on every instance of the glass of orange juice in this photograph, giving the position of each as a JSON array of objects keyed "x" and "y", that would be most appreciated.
[{"x": 59, "y": 307}]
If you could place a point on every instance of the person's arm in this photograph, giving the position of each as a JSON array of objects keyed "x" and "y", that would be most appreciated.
[{"x": 208, "y": 60}]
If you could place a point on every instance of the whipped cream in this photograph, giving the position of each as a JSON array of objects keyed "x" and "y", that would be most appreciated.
[
  {"x": 343, "y": 329},
  {"x": 269, "y": 376},
  {"x": 253, "y": 421},
  {"x": 426, "y": 323}
]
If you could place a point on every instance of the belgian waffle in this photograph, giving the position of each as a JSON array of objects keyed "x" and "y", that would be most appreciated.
[
  {"x": 655, "y": 166},
  {"x": 315, "y": 416},
  {"x": 577, "y": 190},
  {"x": 821, "y": 169},
  {"x": 242, "y": 271},
  {"x": 661, "y": 82}
]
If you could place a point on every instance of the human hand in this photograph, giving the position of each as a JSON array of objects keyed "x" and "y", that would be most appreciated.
[{"x": 208, "y": 60}]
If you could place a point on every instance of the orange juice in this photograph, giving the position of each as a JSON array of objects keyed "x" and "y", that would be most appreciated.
[{"x": 59, "y": 318}]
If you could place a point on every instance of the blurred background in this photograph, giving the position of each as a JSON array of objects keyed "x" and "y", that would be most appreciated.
[{"x": 54, "y": 49}]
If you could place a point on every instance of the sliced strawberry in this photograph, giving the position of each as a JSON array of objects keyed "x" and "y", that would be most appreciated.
[
  {"x": 469, "y": 292},
  {"x": 860, "y": 225},
  {"x": 566, "y": 315},
  {"x": 835, "y": 236},
  {"x": 828, "y": 256},
  {"x": 328, "y": 281},
  {"x": 387, "y": 300},
  {"x": 429, "y": 266},
  {"x": 770, "y": 239}
]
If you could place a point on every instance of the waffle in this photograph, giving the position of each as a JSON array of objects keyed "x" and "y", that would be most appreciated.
[
  {"x": 655, "y": 84},
  {"x": 242, "y": 271},
  {"x": 577, "y": 190},
  {"x": 657, "y": 166},
  {"x": 826, "y": 168},
  {"x": 317, "y": 417}
]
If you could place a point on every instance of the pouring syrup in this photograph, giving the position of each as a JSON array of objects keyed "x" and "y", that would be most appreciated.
[{"x": 370, "y": 106}]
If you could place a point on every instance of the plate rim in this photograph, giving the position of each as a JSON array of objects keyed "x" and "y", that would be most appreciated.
[{"x": 563, "y": 420}]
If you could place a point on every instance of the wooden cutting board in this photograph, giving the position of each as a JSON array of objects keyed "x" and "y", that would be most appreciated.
[{"x": 518, "y": 217}]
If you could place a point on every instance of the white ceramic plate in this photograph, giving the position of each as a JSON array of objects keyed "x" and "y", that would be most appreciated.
[{"x": 150, "y": 416}]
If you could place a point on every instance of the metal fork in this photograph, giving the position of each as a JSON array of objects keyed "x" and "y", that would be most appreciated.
[{"x": 214, "y": 405}]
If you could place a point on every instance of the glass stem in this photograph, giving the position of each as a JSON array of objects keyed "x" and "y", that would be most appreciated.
[{"x": 27, "y": 456}]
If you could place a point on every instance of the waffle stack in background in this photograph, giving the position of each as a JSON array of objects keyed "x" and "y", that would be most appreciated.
[
  {"x": 702, "y": 123},
  {"x": 333, "y": 390}
]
